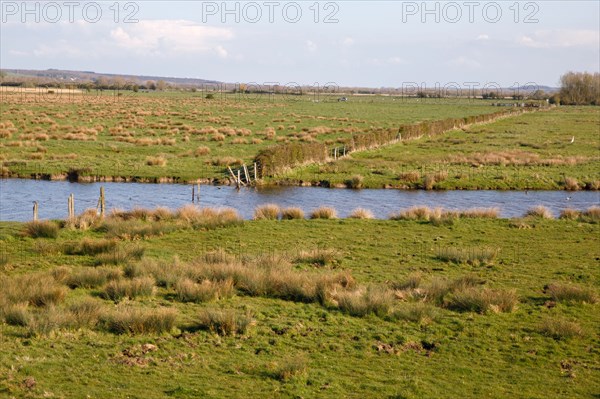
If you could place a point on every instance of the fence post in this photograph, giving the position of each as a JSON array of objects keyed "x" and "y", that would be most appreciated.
[{"x": 35, "y": 211}]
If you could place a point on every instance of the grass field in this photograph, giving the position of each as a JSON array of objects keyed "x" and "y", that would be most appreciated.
[
  {"x": 529, "y": 151},
  {"x": 184, "y": 136},
  {"x": 199, "y": 304}
]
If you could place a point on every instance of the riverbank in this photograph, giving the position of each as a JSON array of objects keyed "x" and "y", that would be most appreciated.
[{"x": 288, "y": 341}]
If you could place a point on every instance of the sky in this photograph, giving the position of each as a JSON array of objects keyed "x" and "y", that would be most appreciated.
[{"x": 349, "y": 43}]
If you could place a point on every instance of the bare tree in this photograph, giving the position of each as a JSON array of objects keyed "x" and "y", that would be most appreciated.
[{"x": 580, "y": 88}]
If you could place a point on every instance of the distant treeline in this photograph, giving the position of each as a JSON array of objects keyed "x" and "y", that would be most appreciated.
[
  {"x": 279, "y": 158},
  {"x": 579, "y": 88}
]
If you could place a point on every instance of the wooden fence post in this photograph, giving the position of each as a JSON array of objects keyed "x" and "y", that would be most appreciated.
[
  {"x": 35, "y": 211},
  {"x": 101, "y": 202}
]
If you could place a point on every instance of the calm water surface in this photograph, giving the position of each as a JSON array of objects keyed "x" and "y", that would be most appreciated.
[{"x": 17, "y": 196}]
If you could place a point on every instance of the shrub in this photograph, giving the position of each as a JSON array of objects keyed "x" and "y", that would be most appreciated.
[
  {"x": 571, "y": 293},
  {"x": 202, "y": 150},
  {"x": 482, "y": 300},
  {"x": 361, "y": 213},
  {"x": 539, "y": 211},
  {"x": 224, "y": 322},
  {"x": 292, "y": 213},
  {"x": 267, "y": 211},
  {"x": 41, "y": 229},
  {"x": 355, "y": 182},
  {"x": 189, "y": 291},
  {"x": 131, "y": 320},
  {"x": 324, "y": 212},
  {"x": 119, "y": 289},
  {"x": 560, "y": 328}
]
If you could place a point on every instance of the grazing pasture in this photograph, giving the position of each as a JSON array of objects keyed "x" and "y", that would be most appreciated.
[{"x": 197, "y": 303}]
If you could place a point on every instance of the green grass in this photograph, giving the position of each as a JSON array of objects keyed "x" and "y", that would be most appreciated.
[
  {"x": 529, "y": 151},
  {"x": 183, "y": 136},
  {"x": 412, "y": 325}
]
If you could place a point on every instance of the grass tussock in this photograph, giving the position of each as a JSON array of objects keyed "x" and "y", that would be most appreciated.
[
  {"x": 90, "y": 247},
  {"x": 187, "y": 290},
  {"x": 41, "y": 229},
  {"x": 292, "y": 213},
  {"x": 135, "y": 229},
  {"x": 290, "y": 368},
  {"x": 135, "y": 321},
  {"x": 560, "y": 328},
  {"x": 324, "y": 212},
  {"x": 376, "y": 300},
  {"x": 416, "y": 312},
  {"x": 92, "y": 277},
  {"x": 117, "y": 290},
  {"x": 361, "y": 213},
  {"x": 34, "y": 289},
  {"x": 267, "y": 212},
  {"x": 120, "y": 255},
  {"x": 355, "y": 182},
  {"x": 471, "y": 256},
  {"x": 539, "y": 211},
  {"x": 426, "y": 214},
  {"x": 156, "y": 161},
  {"x": 319, "y": 257},
  {"x": 483, "y": 300},
  {"x": 570, "y": 293},
  {"x": 224, "y": 322}
]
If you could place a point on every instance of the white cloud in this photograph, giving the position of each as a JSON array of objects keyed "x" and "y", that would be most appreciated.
[
  {"x": 561, "y": 38},
  {"x": 167, "y": 37},
  {"x": 483, "y": 37},
  {"x": 348, "y": 42},
  {"x": 464, "y": 62},
  {"x": 311, "y": 46},
  {"x": 60, "y": 48},
  {"x": 386, "y": 61}
]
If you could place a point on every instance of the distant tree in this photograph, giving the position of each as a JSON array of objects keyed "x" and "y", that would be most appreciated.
[
  {"x": 539, "y": 95},
  {"x": 135, "y": 88},
  {"x": 151, "y": 85},
  {"x": 491, "y": 95},
  {"x": 161, "y": 85},
  {"x": 421, "y": 94},
  {"x": 2, "y": 74},
  {"x": 580, "y": 88},
  {"x": 555, "y": 99}
]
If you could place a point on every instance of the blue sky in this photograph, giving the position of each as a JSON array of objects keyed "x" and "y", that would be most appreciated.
[{"x": 365, "y": 43}]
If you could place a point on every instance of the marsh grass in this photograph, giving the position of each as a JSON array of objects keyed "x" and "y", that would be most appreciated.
[
  {"x": 88, "y": 246},
  {"x": 361, "y": 213},
  {"x": 35, "y": 289},
  {"x": 136, "y": 321},
  {"x": 324, "y": 212},
  {"x": 41, "y": 229},
  {"x": 482, "y": 300},
  {"x": 92, "y": 277},
  {"x": 267, "y": 212},
  {"x": 290, "y": 368},
  {"x": 374, "y": 299},
  {"x": 224, "y": 322},
  {"x": 415, "y": 312},
  {"x": 539, "y": 211},
  {"x": 471, "y": 255},
  {"x": 117, "y": 290},
  {"x": 292, "y": 213},
  {"x": 571, "y": 293},
  {"x": 318, "y": 257},
  {"x": 187, "y": 290},
  {"x": 560, "y": 328},
  {"x": 120, "y": 255}
]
